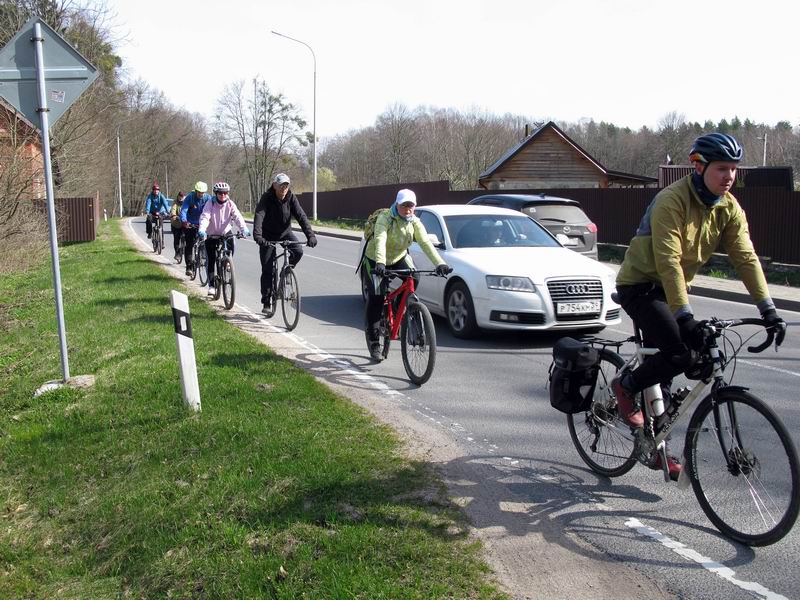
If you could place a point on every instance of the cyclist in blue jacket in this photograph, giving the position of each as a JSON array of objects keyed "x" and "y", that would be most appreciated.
[
  {"x": 190, "y": 218},
  {"x": 156, "y": 204}
]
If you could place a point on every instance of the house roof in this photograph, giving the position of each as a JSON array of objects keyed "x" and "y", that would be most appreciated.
[{"x": 614, "y": 175}]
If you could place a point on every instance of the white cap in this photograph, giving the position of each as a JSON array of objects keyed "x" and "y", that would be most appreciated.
[
  {"x": 404, "y": 196},
  {"x": 281, "y": 178}
]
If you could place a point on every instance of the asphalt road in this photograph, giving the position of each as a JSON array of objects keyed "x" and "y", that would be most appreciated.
[{"x": 489, "y": 396}]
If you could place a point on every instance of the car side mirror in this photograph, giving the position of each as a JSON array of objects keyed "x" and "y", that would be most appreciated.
[{"x": 434, "y": 239}]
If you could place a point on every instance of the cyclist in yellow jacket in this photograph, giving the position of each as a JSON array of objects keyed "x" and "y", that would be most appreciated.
[
  {"x": 395, "y": 230},
  {"x": 685, "y": 223}
]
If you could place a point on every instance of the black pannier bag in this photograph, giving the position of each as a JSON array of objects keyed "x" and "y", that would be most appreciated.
[{"x": 573, "y": 375}]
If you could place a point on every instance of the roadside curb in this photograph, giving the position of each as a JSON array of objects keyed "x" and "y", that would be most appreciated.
[{"x": 708, "y": 292}]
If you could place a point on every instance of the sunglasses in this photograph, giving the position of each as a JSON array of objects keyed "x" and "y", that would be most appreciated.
[{"x": 407, "y": 205}]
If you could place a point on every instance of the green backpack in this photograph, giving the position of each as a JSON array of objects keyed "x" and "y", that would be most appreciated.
[{"x": 369, "y": 228}]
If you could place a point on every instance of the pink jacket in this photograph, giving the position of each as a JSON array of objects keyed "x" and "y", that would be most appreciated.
[{"x": 216, "y": 218}]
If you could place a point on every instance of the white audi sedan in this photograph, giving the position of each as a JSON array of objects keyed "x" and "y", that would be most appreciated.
[{"x": 510, "y": 273}]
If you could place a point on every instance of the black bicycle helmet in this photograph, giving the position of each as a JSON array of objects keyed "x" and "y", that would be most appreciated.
[{"x": 716, "y": 146}]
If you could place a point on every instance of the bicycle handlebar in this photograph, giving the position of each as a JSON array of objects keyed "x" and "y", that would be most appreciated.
[
  {"x": 407, "y": 272},
  {"x": 285, "y": 243},
  {"x": 238, "y": 235},
  {"x": 725, "y": 323}
]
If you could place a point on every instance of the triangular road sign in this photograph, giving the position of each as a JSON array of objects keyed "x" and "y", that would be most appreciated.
[{"x": 67, "y": 73}]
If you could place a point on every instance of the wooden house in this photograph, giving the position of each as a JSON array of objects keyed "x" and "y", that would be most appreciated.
[
  {"x": 21, "y": 159},
  {"x": 548, "y": 158}
]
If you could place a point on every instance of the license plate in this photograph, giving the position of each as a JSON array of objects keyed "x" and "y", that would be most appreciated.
[
  {"x": 578, "y": 308},
  {"x": 566, "y": 240}
]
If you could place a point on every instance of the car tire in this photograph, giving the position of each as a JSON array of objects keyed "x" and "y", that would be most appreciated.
[{"x": 460, "y": 311}]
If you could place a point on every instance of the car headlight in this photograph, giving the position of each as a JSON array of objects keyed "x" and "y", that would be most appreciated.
[{"x": 510, "y": 284}]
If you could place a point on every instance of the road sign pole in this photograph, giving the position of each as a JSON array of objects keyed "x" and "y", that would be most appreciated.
[{"x": 51, "y": 209}]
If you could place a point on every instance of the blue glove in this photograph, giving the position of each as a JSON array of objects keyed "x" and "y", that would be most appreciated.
[
  {"x": 201, "y": 235},
  {"x": 246, "y": 232},
  {"x": 380, "y": 269}
]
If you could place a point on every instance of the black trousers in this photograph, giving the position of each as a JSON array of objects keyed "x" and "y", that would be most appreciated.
[
  {"x": 266, "y": 254},
  {"x": 646, "y": 304},
  {"x": 190, "y": 235},
  {"x": 374, "y": 308},
  {"x": 177, "y": 234},
  {"x": 149, "y": 223},
  {"x": 211, "y": 252}
]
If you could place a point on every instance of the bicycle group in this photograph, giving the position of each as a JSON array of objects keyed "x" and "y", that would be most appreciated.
[{"x": 619, "y": 412}]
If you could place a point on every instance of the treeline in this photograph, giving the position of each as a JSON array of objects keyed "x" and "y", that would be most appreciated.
[{"x": 426, "y": 144}]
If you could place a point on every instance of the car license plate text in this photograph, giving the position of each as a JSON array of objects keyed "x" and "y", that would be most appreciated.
[{"x": 577, "y": 308}]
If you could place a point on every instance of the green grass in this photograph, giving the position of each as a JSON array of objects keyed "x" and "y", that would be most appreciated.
[{"x": 278, "y": 489}]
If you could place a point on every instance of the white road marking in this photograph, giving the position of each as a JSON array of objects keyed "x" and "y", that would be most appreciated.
[
  {"x": 719, "y": 569},
  {"x": 330, "y": 261},
  {"x": 760, "y": 365}
]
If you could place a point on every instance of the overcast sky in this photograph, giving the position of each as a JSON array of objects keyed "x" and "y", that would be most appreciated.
[{"x": 629, "y": 62}]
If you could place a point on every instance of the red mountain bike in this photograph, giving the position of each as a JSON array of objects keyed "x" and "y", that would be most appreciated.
[{"x": 404, "y": 316}]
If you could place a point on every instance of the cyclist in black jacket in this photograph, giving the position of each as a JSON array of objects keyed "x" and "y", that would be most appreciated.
[{"x": 273, "y": 223}]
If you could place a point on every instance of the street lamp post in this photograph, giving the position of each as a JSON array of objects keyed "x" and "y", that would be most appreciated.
[
  {"x": 119, "y": 174},
  {"x": 764, "y": 161},
  {"x": 314, "y": 133}
]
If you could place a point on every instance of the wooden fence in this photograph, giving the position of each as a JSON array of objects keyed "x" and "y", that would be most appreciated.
[{"x": 773, "y": 213}]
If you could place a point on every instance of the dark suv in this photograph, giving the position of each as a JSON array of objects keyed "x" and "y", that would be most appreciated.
[{"x": 562, "y": 217}]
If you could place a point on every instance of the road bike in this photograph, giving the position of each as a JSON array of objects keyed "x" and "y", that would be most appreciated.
[
  {"x": 738, "y": 455},
  {"x": 224, "y": 279},
  {"x": 284, "y": 285},
  {"x": 157, "y": 233},
  {"x": 404, "y": 316}
]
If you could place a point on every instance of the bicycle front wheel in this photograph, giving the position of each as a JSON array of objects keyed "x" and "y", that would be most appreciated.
[
  {"x": 418, "y": 343},
  {"x": 603, "y": 441},
  {"x": 202, "y": 263},
  {"x": 228, "y": 282},
  {"x": 195, "y": 261},
  {"x": 290, "y": 298},
  {"x": 743, "y": 467}
]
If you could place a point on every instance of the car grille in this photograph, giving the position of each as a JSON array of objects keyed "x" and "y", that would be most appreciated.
[
  {"x": 575, "y": 290},
  {"x": 519, "y": 318},
  {"x": 612, "y": 314}
]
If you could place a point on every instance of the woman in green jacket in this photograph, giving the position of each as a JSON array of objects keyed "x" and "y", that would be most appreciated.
[{"x": 395, "y": 230}]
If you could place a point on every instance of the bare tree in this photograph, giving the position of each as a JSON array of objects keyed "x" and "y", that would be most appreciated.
[{"x": 266, "y": 128}]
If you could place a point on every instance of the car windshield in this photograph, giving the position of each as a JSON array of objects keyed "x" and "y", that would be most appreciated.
[{"x": 496, "y": 231}]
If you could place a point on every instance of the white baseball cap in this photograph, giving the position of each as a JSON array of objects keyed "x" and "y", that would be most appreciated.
[
  {"x": 281, "y": 178},
  {"x": 405, "y": 196}
]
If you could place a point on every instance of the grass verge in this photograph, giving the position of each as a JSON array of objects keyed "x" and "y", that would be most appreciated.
[{"x": 279, "y": 489}]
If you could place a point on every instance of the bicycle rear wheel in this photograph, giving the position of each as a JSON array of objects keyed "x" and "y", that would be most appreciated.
[
  {"x": 743, "y": 467},
  {"x": 290, "y": 298},
  {"x": 201, "y": 263},
  {"x": 418, "y": 342},
  {"x": 228, "y": 282},
  {"x": 603, "y": 441},
  {"x": 181, "y": 247}
]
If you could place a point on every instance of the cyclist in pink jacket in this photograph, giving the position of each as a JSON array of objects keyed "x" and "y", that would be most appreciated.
[{"x": 216, "y": 220}]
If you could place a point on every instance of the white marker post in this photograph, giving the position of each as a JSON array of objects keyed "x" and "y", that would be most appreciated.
[{"x": 185, "y": 342}]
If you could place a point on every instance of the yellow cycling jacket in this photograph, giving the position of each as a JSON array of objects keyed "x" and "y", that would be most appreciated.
[
  {"x": 678, "y": 234},
  {"x": 393, "y": 236}
]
